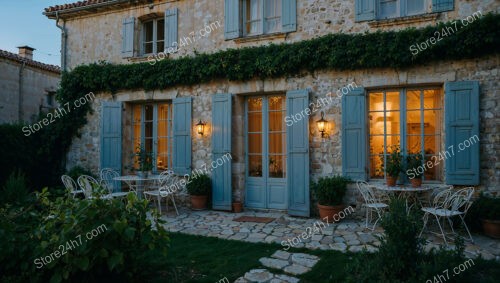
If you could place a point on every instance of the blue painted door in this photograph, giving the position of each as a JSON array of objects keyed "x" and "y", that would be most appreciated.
[
  {"x": 266, "y": 156},
  {"x": 221, "y": 147},
  {"x": 111, "y": 136}
]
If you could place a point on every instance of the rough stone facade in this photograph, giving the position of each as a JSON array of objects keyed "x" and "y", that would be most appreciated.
[{"x": 98, "y": 37}]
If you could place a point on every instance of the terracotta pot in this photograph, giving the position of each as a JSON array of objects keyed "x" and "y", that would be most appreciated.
[
  {"x": 198, "y": 202},
  {"x": 391, "y": 181},
  {"x": 416, "y": 182},
  {"x": 491, "y": 228},
  {"x": 237, "y": 207},
  {"x": 328, "y": 212}
]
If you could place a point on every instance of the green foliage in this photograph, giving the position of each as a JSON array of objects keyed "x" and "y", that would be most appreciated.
[
  {"x": 77, "y": 171},
  {"x": 394, "y": 163},
  {"x": 15, "y": 189},
  {"x": 330, "y": 190},
  {"x": 485, "y": 207},
  {"x": 130, "y": 246},
  {"x": 199, "y": 185},
  {"x": 413, "y": 162},
  {"x": 144, "y": 158}
]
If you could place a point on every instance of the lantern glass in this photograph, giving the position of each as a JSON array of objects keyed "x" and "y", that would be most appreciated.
[{"x": 200, "y": 127}]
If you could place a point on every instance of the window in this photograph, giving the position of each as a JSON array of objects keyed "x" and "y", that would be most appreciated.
[
  {"x": 153, "y": 36},
  {"x": 50, "y": 98},
  {"x": 410, "y": 119},
  {"x": 400, "y": 8},
  {"x": 152, "y": 127},
  {"x": 261, "y": 16}
]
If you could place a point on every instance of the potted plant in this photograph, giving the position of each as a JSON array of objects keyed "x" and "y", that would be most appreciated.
[
  {"x": 145, "y": 161},
  {"x": 329, "y": 192},
  {"x": 237, "y": 206},
  {"x": 393, "y": 166},
  {"x": 199, "y": 188},
  {"x": 487, "y": 210},
  {"x": 414, "y": 163}
]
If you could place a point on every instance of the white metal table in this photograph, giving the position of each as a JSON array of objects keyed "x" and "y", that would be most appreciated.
[
  {"x": 136, "y": 183},
  {"x": 406, "y": 192}
]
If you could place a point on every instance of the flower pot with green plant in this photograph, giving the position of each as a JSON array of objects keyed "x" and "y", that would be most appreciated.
[
  {"x": 394, "y": 165},
  {"x": 199, "y": 188},
  {"x": 413, "y": 165},
  {"x": 329, "y": 192},
  {"x": 485, "y": 213},
  {"x": 144, "y": 160}
]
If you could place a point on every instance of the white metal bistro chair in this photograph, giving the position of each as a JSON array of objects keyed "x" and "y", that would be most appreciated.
[
  {"x": 164, "y": 177},
  {"x": 448, "y": 204},
  {"x": 108, "y": 181},
  {"x": 372, "y": 203},
  {"x": 166, "y": 189},
  {"x": 89, "y": 185},
  {"x": 71, "y": 185}
]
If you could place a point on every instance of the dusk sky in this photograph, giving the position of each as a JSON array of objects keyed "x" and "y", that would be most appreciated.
[{"x": 22, "y": 23}]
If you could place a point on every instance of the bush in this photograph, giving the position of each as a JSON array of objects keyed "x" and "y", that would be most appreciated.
[
  {"x": 77, "y": 171},
  {"x": 330, "y": 190},
  {"x": 484, "y": 207},
  {"x": 125, "y": 244},
  {"x": 15, "y": 189},
  {"x": 200, "y": 185}
]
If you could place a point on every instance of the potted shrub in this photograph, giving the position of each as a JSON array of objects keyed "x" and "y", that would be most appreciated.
[
  {"x": 329, "y": 192},
  {"x": 487, "y": 210},
  {"x": 414, "y": 163},
  {"x": 237, "y": 206},
  {"x": 145, "y": 161},
  {"x": 393, "y": 166},
  {"x": 199, "y": 188}
]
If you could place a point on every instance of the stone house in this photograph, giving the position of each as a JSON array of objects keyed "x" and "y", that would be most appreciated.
[
  {"x": 270, "y": 126},
  {"x": 27, "y": 87}
]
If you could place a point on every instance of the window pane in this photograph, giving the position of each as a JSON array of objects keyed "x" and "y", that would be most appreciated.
[
  {"x": 137, "y": 109},
  {"x": 162, "y": 162},
  {"x": 433, "y": 167},
  {"x": 273, "y": 15},
  {"x": 432, "y": 122},
  {"x": 163, "y": 111},
  {"x": 376, "y": 145},
  {"x": 148, "y": 48},
  {"x": 253, "y": 16},
  {"x": 414, "y": 144},
  {"x": 148, "y": 114},
  {"x": 413, "y": 99},
  {"x": 392, "y": 123},
  {"x": 414, "y": 7},
  {"x": 376, "y": 123},
  {"x": 376, "y": 170},
  {"x": 392, "y": 141},
  {"x": 160, "y": 30},
  {"x": 148, "y": 31},
  {"x": 254, "y": 143},
  {"x": 392, "y": 100},
  {"x": 431, "y": 144},
  {"x": 276, "y": 166},
  {"x": 255, "y": 165},
  {"x": 255, "y": 122},
  {"x": 276, "y": 143},
  {"x": 432, "y": 99},
  {"x": 388, "y": 8},
  {"x": 255, "y": 104},
  {"x": 376, "y": 101},
  {"x": 276, "y": 102},
  {"x": 413, "y": 122},
  {"x": 276, "y": 121},
  {"x": 160, "y": 47}
]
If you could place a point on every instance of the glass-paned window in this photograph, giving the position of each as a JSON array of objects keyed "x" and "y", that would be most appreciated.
[
  {"x": 255, "y": 131},
  {"x": 262, "y": 16},
  {"x": 277, "y": 137},
  {"x": 153, "y": 36},
  {"x": 152, "y": 127},
  {"x": 400, "y": 8},
  {"x": 408, "y": 119}
]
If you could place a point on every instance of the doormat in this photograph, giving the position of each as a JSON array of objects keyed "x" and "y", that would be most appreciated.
[{"x": 254, "y": 219}]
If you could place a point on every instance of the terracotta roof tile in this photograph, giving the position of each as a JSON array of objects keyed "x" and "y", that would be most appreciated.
[
  {"x": 29, "y": 62},
  {"x": 74, "y": 5}
]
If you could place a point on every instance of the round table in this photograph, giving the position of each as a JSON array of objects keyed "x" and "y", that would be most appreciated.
[
  {"x": 406, "y": 192},
  {"x": 136, "y": 183}
]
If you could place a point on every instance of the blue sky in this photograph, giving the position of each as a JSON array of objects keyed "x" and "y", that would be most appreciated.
[{"x": 22, "y": 23}]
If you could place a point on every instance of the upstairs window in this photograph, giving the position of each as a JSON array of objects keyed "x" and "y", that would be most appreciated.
[
  {"x": 261, "y": 17},
  {"x": 153, "y": 36},
  {"x": 367, "y": 10},
  {"x": 400, "y": 8}
]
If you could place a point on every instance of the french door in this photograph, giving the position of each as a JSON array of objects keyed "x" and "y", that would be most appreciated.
[{"x": 266, "y": 152}]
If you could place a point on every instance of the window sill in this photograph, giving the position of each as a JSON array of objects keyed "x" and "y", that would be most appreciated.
[
  {"x": 403, "y": 20},
  {"x": 432, "y": 184},
  {"x": 254, "y": 38}
]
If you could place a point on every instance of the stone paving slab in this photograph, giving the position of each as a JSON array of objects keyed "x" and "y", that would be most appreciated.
[{"x": 348, "y": 235}]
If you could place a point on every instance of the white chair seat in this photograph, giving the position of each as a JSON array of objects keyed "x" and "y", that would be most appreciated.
[
  {"x": 377, "y": 205},
  {"x": 118, "y": 194},
  {"x": 157, "y": 193},
  {"x": 441, "y": 211}
]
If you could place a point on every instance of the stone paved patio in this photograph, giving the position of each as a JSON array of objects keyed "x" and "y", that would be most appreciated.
[{"x": 348, "y": 235}]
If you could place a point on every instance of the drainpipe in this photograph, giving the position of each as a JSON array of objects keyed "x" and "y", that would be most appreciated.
[
  {"x": 64, "y": 36},
  {"x": 20, "y": 111}
]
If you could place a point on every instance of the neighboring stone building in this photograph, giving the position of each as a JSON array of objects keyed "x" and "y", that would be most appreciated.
[
  {"x": 273, "y": 155},
  {"x": 26, "y": 86}
]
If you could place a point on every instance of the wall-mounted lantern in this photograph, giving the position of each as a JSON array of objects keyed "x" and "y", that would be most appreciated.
[
  {"x": 200, "y": 127},
  {"x": 322, "y": 123}
]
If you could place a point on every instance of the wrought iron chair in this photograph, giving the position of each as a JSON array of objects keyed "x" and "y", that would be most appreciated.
[
  {"x": 71, "y": 185},
  {"x": 90, "y": 187},
  {"x": 448, "y": 204},
  {"x": 372, "y": 203},
  {"x": 108, "y": 181},
  {"x": 164, "y": 189}
]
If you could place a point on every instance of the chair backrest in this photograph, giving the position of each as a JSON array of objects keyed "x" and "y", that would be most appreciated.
[
  {"x": 368, "y": 194},
  {"x": 69, "y": 183},
  {"x": 164, "y": 179},
  {"x": 461, "y": 200},
  {"x": 107, "y": 179},
  {"x": 442, "y": 198},
  {"x": 87, "y": 184}
]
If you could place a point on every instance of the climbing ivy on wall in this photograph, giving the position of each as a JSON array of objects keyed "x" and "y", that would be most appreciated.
[{"x": 333, "y": 51}]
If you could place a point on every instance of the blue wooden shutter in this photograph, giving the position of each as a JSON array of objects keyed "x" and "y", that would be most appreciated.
[
  {"x": 289, "y": 15},
  {"x": 354, "y": 129},
  {"x": 128, "y": 37},
  {"x": 298, "y": 154},
  {"x": 171, "y": 27},
  {"x": 221, "y": 145},
  {"x": 232, "y": 21},
  {"x": 442, "y": 5},
  {"x": 182, "y": 135},
  {"x": 111, "y": 135},
  {"x": 462, "y": 125},
  {"x": 365, "y": 10}
]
